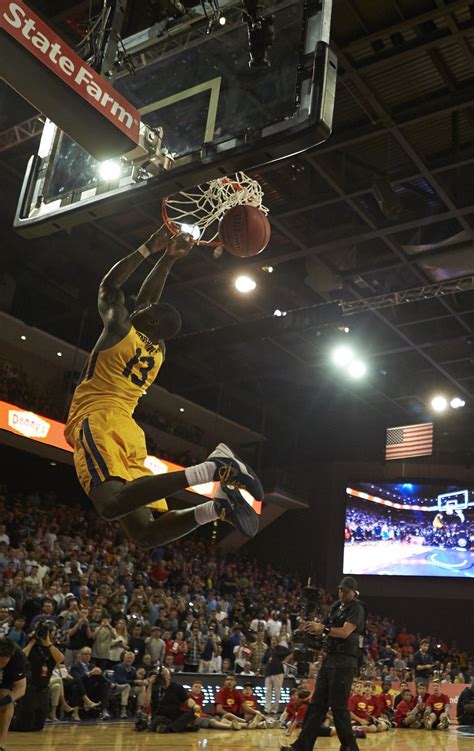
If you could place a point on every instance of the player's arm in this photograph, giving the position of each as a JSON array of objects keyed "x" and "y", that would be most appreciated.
[
  {"x": 152, "y": 288},
  {"x": 110, "y": 301}
]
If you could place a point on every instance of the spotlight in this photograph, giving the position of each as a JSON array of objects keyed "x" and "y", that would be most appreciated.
[
  {"x": 357, "y": 369},
  {"x": 268, "y": 269},
  {"x": 346, "y": 329},
  {"x": 342, "y": 355},
  {"x": 191, "y": 229},
  {"x": 279, "y": 313},
  {"x": 181, "y": 409},
  {"x": 110, "y": 170},
  {"x": 244, "y": 284},
  {"x": 439, "y": 403},
  {"x": 222, "y": 20},
  {"x": 59, "y": 354},
  {"x": 457, "y": 402},
  {"x": 23, "y": 338}
]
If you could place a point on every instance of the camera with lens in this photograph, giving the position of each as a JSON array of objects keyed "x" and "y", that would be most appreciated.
[
  {"x": 43, "y": 629},
  {"x": 141, "y": 723}
]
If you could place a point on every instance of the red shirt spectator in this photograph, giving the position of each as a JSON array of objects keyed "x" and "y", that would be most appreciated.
[
  {"x": 358, "y": 706},
  {"x": 290, "y": 710},
  {"x": 403, "y": 707},
  {"x": 437, "y": 702},
  {"x": 248, "y": 699},
  {"x": 228, "y": 697}
]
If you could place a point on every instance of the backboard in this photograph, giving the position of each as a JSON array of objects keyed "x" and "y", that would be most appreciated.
[{"x": 218, "y": 115}]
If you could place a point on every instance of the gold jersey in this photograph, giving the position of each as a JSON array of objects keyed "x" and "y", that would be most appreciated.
[{"x": 115, "y": 379}]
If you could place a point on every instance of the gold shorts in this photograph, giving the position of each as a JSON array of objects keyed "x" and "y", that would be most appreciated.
[{"x": 109, "y": 444}]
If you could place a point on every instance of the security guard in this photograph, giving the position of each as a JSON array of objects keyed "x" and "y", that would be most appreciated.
[{"x": 344, "y": 627}]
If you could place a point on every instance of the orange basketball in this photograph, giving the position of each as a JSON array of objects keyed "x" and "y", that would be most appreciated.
[{"x": 244, "y": 231}]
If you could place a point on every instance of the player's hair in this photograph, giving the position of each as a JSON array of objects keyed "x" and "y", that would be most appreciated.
[{"x": 7, "y": 647}]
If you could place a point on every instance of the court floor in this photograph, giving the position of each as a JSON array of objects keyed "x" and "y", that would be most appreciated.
[{"x": 121, "y": 737}]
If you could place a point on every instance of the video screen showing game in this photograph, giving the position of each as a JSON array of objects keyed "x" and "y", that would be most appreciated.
[{"x": 408, "y": 529}]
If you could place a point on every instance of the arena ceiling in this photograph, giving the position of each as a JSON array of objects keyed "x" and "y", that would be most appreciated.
[{"x": 387, "y": 204}]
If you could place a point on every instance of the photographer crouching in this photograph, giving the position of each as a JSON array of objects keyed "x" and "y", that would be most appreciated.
[
  {"x": 42, "y": 656},
  {"x": 172, "y": 710},
  {"x": 12, "y": 683},
  {"x": 343, "y": 628}
]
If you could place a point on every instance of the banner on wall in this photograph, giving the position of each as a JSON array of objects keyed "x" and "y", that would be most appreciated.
[{"x": 43, "y": 429}]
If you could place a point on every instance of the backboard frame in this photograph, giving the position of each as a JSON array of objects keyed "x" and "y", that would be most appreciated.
[{"x": 310, "y": 125}]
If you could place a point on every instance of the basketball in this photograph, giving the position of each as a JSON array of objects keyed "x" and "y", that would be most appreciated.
[{"x": 244, "y": 231}]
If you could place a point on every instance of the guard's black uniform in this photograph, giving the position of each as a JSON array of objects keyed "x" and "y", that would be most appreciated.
[{"x": 334, "y": 681}]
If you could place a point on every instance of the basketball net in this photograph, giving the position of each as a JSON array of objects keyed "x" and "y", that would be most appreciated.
[{"x": 199, "y": 210}]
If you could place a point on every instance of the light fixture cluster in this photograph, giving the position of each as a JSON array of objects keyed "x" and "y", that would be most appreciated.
[
  {"x": 344, "y": 358},
  {"x": 440, "y": 403}
]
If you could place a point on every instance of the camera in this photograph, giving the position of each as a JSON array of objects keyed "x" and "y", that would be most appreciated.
[
  {"x": 141, "y": 723},
  {"x": 43, "y": 629}
]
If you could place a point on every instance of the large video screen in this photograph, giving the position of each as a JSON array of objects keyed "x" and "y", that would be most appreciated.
[{"x": 408, "y": 529}]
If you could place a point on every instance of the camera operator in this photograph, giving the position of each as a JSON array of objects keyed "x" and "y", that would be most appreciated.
[
  {"x": 167, "y": 701},
  {"x": 12, "y": 683},
  {"x": 344, "y": 627},
  {"x": 42, "y": 657}
]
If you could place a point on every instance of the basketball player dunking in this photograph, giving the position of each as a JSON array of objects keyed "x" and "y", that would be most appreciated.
[{"x": 109, "y": 447}]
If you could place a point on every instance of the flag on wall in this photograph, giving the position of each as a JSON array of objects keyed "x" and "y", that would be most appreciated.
[{"x": 409, "y": 440}]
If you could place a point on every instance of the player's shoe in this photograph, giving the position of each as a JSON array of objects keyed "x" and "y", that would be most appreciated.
[
  {"x": 231, "y": 470},
  {"x": 359, "y": 731},
  {"x": 234, "y": 509},
  {"x": 443, "y": 724}
]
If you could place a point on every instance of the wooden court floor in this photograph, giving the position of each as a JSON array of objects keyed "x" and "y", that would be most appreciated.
[{"x": 121, "y": 737}]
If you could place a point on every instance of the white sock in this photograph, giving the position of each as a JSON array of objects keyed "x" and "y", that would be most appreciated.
[
  {"x": 200, "y": 473},
  {"x": 206, "y": 513}
]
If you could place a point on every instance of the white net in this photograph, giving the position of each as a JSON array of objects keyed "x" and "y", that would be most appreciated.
[{"x": 198, "y": 211}]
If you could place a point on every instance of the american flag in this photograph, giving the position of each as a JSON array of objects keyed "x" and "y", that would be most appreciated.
[{"x": 409, "y": 440}]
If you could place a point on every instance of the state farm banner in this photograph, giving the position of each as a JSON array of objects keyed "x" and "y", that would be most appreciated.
[
  {"x": 51, "y": 432},
  {"x": 82, "y": 83}
]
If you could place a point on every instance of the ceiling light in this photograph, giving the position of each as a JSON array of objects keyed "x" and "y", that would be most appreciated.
[
  {"x": 181, "y": 409},
  {"x": 191, "y": 229},
  {"x": 59, "y": 354},
  {"x": 23, "y": 338},
  {"x": 268, "y": 269},
  {"x": 222, "y": 20},
  {"x": 244, "y": 284},
  {"x": 52, "y": 464},
  {"x": 346, "y": 329},
  {"x": 110, "y": 170},
  {"x": 439, "y": 403},
  {"x": 457, "y": 402},
  {"x": 342, "y": 355},
  {"x": 357, "y": 369}
]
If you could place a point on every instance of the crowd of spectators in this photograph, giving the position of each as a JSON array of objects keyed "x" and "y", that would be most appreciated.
[
  {"x": 438, "y": 530},
  {"x": 183, "y": 606},
  {"x": 50, "y": 398}
]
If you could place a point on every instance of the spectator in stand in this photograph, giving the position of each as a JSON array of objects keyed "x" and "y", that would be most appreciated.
[
  {"x": 247, "y": 669},
  {"x": 272, "y": 662},
  {"x": 241, "y": 654},
  {"x": 178, "y": 648},
  {"x": 96, "y": 687},
  {"x": 423, "y": 661},
  {"x": 465, "y": 709},
  {"x": 136, "y": 644},
  {"x": 208, "y": 652},
  {"x": 130, "y": 684},
  {"x": 273, "y": 625},
  {"x": 155, "y": 645},
  {"x": 103, "y": 637},
  {"x": 436, "y": 716},
  {"x": 16, "y": 632},
  {"x": 258, "y": 648}
]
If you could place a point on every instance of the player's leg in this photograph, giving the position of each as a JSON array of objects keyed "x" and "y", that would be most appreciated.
[{"x": 115, "y": 498}]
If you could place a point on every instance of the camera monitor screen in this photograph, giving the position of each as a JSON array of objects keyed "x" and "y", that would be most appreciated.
[{"x": 408, "y": 529}]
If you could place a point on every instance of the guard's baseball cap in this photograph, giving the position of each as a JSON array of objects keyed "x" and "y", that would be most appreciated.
[{"x": 348, "y": 583}]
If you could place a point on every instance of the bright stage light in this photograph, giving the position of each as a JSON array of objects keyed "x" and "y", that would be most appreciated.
[
  {"x": 222, "y": 20},
  {"x": 439, "y": 403},
  {"x": 244, "y": 284},
  {"x": 110, "y": 170},
  {"x": 457, "y": 402},
  {"x": 342, "y": 355},
  {"x": 357, "y": 369}
]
